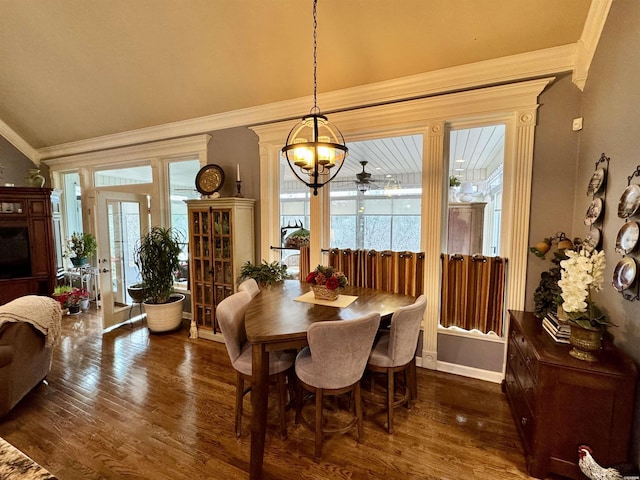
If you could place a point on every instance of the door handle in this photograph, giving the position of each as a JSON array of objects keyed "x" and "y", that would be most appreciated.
[{"x": 105, "y": 270}]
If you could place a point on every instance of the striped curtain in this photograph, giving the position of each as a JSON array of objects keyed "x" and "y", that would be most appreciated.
[
  {"x": 473, "y": 289},
  {"x": 399, "y": 272},
  {"x": 304, "y": 263}
]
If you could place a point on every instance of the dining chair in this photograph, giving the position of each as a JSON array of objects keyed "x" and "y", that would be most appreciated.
[
  {"x": 250, "y": 286},
  {"x": 394, "y": 352},
  {"x": 230, "y": 314},
  {"x": 332, "y": 365}
]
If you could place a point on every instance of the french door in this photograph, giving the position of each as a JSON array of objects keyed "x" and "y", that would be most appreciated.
[{"x": 122, "y": 219}]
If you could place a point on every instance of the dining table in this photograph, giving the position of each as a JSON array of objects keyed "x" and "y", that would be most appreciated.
[{"x": 278, "y": 317}]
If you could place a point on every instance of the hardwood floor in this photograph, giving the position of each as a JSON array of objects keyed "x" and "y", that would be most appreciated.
[{"x": 128, "y": 404}]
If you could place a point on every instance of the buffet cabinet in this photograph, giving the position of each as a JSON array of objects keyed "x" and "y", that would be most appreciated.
[
  {"x": 221, "y": 239},
  {"x": 27, "y": 242},
  {"x": 559, "y": 403}
]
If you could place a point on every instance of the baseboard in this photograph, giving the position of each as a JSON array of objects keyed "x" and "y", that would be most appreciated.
[{"x": 486, "y": 375}]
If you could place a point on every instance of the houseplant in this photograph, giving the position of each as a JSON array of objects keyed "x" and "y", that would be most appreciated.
[
  {"x": 80, "y": 247},
  {"x": 581, "y": 275},
  {"x": 157, "y": 257},
  {"x": 326, "y": 282},
  {"x": 70, "y": 297},
  {"x": 264, "y": 273}
]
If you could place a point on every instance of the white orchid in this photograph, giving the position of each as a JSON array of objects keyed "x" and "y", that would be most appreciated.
[{"x": 581, "y": 273}]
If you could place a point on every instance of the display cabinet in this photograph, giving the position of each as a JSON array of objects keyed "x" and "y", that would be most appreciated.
[
  {"x": 466, "y": 225},
  {"x": 221, "y": 239}
]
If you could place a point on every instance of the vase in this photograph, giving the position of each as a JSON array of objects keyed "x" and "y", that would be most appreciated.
[
  {"x": 586, "y": 342},
  {"x": 320, "y": 292}
]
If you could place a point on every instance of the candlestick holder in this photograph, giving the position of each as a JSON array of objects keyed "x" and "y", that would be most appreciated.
[{"x": 239, "y": 187}]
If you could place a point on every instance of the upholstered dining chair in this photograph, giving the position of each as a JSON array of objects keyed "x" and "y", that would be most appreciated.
[
  {"x": 333, "y": 364},
  {"x": 230, "y": 315},
  {"x": 250, "y": 286},
  {"x": 395, "y": 351}
]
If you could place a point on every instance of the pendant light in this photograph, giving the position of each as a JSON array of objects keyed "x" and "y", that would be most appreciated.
[{"x": 315, "y": 149}]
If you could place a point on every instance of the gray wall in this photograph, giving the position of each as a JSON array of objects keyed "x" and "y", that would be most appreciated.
[
  {"x": 15, "y": 166},
  {"x": 611, "y": 103}
]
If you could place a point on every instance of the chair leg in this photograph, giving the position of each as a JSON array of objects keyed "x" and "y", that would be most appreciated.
[
  {"x": 239, "y": 398},
  {"x": 299, "y": 401},
  {"x": 282, "y": 403},
  {"x": 390, "y": 399},
  {"x": 319, "y": 396},
  {"x": 358, "y": 405},
  {"x": 412, "y": 380}
]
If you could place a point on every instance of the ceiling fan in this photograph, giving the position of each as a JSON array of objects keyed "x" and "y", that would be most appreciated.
[{"x": 363, "y": 179}]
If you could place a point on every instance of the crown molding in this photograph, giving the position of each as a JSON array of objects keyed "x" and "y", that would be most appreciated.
[
  {"x": 465, "y": 77},
  {"x": 16, "y": 140},
  {"x": 586, "y": 46}
]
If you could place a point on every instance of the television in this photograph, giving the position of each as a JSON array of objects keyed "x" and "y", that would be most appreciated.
[{"x": 15, "y": 259}]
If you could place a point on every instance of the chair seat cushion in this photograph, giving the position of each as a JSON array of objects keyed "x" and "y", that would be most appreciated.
[
  {"x": 380, "y": 353},
  {"x": 278, "y": 361}
]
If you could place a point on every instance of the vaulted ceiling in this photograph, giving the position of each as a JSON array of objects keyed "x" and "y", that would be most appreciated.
[{"x": 72, "y": 70}]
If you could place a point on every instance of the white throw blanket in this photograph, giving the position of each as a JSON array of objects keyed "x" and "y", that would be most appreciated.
[{"x": 43, "y": 313}]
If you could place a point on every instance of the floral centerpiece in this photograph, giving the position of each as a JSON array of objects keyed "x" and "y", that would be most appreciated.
[
  {"x": 581, "y": 275},
  {"x": 327, "y": 282}
]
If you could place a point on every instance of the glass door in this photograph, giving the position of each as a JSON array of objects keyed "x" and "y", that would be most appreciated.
[{"x": 123, "y": 218}]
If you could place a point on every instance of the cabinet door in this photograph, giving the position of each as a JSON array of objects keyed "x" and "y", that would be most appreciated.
[
  {"x": 201, "y": 267},
  {"x": 40, "y": 247}
]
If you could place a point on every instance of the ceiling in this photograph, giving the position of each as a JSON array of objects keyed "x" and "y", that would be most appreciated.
[{"x": 72, "y": 70}]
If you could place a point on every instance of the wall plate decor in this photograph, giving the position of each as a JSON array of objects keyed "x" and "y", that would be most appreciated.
[
  {"x": 209, "y": 179},
  {"x": 592, "y": 240},
  {"x": 624, "y": 275},
  {"x": 629, "y": 201},
  {"x": 594, "y": 211},
  {"x": 597, "y": 181},
  {"x": 627, "y": 239}
]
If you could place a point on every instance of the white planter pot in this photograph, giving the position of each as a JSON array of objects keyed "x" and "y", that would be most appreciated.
[
  {"x": 84, "y": 304},
  {"x": 164, "y": 317}
]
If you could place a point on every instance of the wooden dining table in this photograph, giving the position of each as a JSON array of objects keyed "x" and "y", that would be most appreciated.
[{"x": 275, "y": 321}]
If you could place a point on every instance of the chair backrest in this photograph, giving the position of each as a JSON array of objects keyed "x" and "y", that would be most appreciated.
[
  {"x": 405, "y": 330},
  {"x": 230, "y": 316},
  {"x": 340, "y": 349},
  {"x": 250, "y": 286}
]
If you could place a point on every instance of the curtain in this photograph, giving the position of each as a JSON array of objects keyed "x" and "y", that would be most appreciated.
[
  {"x": 473, "y": 289},
  {"x": 399, "y": 272}
]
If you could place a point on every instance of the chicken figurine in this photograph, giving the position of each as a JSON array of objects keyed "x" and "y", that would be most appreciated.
[{"x": 592, "y": 470}]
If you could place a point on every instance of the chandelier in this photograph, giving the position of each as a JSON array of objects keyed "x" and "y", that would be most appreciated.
[{"x": 315, "y": 149}]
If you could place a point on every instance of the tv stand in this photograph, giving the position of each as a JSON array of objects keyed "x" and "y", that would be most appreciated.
[{"x": 29, "y": 209}]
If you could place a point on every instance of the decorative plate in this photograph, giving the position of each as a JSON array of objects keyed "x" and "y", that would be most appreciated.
[
  {"x": 624, "y": 275},
  {"x": 597, "y": 180},
  {"x": 629, "y": 201},
  {"x": 593, "y": 212},
  {"x": 627, "y": 239},
  {"x": 209, "y": 179},
  {"x": 592, "y": 240}
]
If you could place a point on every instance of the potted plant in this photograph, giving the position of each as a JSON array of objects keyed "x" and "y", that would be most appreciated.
[
  {"x": 264, "y": 273},
  {"x": 157, "y": 257},
  {"x": 70, "y": 298},
  {"x": 80, "y": 247},
  {"x": 581, "y": 274}
]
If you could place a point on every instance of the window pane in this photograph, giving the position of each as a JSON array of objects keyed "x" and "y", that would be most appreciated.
[
  {"x": 406, "y": 233},
  {"x": 377, "y": 232},
  {"x": 343, "y": 231},
  {"x": 123, "y": 176}
]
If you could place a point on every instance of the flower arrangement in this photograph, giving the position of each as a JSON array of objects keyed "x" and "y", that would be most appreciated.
[
  {"x": 69, "y": 296},
  {"x": 328, "y": 277},
  {"x": 582, "y": 274},
  {"x": 81, "y": 245}
]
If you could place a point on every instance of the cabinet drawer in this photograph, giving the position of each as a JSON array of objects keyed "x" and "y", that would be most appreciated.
[
  {"x": 520, "y": 342},
  {"x": 522, "y": 415}
]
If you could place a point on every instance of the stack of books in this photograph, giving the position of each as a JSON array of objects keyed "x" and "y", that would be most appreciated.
[{"x": 558, "y": 331}]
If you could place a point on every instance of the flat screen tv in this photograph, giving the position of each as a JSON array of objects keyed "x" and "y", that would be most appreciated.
[{"x": 15, "y": 260}]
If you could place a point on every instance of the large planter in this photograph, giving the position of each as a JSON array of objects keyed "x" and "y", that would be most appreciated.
[
  {"x": 137, "y": 293},
  {"x": 164, "y": 317},
  {"x": 586, "y": 342},
  {"x": 79, "y": 262}
]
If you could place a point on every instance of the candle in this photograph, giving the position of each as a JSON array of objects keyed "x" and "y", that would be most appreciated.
[{"x": 238, "y": 172}]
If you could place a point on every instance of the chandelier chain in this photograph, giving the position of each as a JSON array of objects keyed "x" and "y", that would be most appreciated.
[{"x": 315, "y": 108}]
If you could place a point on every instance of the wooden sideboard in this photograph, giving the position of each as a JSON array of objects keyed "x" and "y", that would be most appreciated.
[{"x": 559, "y": 402}]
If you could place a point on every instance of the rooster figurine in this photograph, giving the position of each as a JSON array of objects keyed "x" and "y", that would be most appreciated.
[{"x": 592, "y": 470}]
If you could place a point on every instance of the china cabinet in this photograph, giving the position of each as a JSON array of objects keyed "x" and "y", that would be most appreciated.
[
  {"x": 559, "y": 402},
  {"x": 221, "y": 239},
  {"x": 466, "y": 224}
]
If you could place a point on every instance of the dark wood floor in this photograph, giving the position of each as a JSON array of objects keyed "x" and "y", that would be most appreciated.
[{"x": 128, "y": 404}]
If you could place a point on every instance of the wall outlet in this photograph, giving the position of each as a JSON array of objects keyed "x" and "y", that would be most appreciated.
[{"x": 577, "y": 124}]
